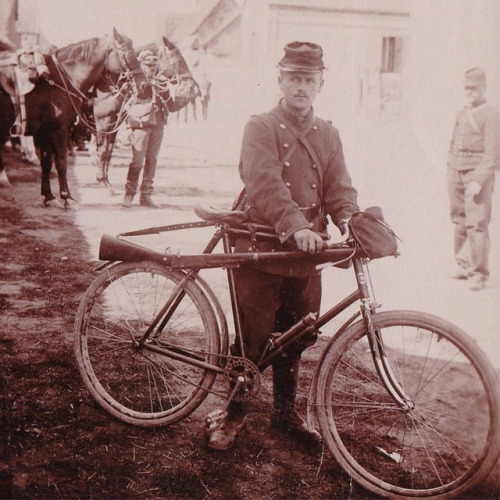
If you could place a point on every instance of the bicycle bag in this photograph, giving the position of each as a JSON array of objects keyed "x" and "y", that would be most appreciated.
[{"x": 373, "y": 235}]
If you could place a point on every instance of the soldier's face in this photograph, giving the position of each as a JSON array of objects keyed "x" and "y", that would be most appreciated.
[
  {"x": 300, "y": 89},
  {"x": 148, "y": 69},
  {"x": 474, "y": 94}
]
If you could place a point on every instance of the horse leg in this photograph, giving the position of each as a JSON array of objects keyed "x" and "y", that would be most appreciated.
[
  {"x": 60, "y": 142},
  {"x": 110, "y": 146},
  {"x": 194, "y": 109},
  {"x": 4, "y": 180},
  {"x": 100, "y": 154},
  {"x": 46, "y": 157}
]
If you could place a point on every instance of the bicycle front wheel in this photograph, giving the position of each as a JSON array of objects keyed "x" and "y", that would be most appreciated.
[
  {"x": 444, "y": 441},
  {"x": 131, "y": 381}
]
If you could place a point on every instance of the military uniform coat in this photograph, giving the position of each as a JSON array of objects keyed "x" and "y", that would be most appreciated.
[
  {"x": 297, "y": 191},
  {"x": 149, "y": 109},
  {"x": 475, "y": 143}
]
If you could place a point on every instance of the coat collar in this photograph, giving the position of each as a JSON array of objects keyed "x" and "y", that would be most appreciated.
[{"x": 293, "y": 119}]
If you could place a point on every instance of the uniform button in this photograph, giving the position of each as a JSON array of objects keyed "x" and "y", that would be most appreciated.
[
  {"x": 283, "y": 233},
  {"x": 314, "y": 166},
  {"x": 287, "y": 164},
  {"x": 287, "y": 184},
  {"x": 282, "y": 126},
  {"x": 313, "y": 204},
  {"x": 315, "y": 127},
  {"x": 286, "y": 145},
  {"x": 314, "y": 186},
  {"x": 250, "y": 249}
]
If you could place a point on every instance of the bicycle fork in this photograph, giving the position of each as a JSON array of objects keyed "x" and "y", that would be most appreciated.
[{"x": 377, "y": 347}]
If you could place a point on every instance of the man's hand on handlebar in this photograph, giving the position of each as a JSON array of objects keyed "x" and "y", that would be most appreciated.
[{"x": 308, "y": 241}]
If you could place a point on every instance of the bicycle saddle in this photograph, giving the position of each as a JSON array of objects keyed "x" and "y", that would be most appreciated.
[{"x": 219, "y": 215}]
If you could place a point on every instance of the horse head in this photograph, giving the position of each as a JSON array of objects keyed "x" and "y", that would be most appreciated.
[
  {"x": 123, "y": 56},
  {"x": 81, "y": 64},
  {"x": 175, "y": 69}
]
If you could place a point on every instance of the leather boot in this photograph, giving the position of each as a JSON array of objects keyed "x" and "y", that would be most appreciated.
[
  {"x": 146, "y": 201},
  {"x": 222, "y": 428},
  {"x": 127, "y": 200},
  {"x": 285, "y": 416}
]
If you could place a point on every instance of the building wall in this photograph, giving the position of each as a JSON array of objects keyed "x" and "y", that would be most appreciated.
[
  {"x": 351, "y": 34},
  {"x": 9, "y": 38},
  {"x": 447, "y": 38}
]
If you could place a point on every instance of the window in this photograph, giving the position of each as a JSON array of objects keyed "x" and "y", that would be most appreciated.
[{"x": 391, "y": 54}]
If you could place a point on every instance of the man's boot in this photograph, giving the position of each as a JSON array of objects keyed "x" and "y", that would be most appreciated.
[
  {"x": 285, "y": 416},
  {"x": 146, "y": 201},
  {"x": 131, "y": 185},
  {"x": 127, "y": 200},
  {"x": 223, "y": 427}
]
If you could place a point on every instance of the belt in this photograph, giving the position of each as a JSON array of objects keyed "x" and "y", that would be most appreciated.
[
  {"x": 463, "y": 153},
  {"x": 310, "y": 212}
]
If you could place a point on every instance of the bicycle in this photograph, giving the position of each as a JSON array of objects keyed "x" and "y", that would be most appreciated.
[{"x": 151, "y": 337}]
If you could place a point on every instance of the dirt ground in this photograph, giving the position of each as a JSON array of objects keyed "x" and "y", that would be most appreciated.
[{"x": 55, "y": 441}]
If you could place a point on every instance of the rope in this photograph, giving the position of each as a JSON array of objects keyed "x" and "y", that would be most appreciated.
[{"x": 63, "y": 75}]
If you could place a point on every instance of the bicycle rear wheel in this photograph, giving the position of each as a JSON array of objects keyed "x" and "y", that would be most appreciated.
[
  {"x": 445, "y": 442},
  {"x": 133, "y": 383}
]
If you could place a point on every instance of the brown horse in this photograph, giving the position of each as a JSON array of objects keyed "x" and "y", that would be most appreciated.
[
  {"x": 110, "y": 107},
  {"x": 52, "y": 106}
]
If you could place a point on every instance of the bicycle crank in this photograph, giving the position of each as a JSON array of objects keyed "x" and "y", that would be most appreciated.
[{"x": 242, "y": 372}]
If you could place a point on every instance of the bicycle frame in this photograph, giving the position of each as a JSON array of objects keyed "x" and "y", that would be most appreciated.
[{"x": 114, "y": 249}]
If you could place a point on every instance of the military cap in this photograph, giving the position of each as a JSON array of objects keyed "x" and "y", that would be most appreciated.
[
  {"x": 302, "y": 56},
  {"x": 474, "y": 77},
  {"x": 147, "y": 57}
]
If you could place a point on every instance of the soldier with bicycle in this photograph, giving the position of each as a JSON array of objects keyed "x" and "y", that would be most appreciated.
[{"x": 293, "y": 168}]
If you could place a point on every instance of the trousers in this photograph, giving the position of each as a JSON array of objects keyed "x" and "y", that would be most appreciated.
[
  {"x": 273, "y": 303},
  {"x": 146, "y": 143},
  {"x": 471, "y": 216}
]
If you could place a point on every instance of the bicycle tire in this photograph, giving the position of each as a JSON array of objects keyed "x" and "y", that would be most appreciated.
[
  {"x": 139, "y": 386},
  {"x": 431, "y": 451}
]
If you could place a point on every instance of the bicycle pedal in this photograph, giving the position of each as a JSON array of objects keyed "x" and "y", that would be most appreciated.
[{"x": 214, "y": 420}]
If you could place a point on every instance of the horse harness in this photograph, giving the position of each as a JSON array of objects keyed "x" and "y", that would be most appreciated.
[{"x": 127, "y": 75}]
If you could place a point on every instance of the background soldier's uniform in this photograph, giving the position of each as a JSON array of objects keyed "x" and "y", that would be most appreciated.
[
  {"x": 473, "y": 157},
  {"x": 147, "y": 122}
]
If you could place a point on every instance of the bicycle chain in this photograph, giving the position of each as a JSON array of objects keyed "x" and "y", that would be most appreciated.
[{"x": 228, "y": 359}]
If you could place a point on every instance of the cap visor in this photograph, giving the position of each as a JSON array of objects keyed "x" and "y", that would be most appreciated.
[{"x": 301, "y": 69}]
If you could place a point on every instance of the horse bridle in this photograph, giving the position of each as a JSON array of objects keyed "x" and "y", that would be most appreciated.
[
  {"x": 127, "y": 74},
  {"x": 177, "y": 77}
]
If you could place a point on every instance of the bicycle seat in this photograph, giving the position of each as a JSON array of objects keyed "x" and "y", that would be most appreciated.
[{"x": 210, "y": 213}]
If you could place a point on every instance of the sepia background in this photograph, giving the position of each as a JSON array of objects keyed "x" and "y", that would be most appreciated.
[{"x": 393, "y": 86}]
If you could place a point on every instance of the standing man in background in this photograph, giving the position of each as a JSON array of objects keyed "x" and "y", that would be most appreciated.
[
  {"x": 147, "y": 118},
  {"x": 474, "y": 155}
]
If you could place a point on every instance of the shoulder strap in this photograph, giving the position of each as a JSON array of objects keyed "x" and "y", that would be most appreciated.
[
  {"x": 471, "y": 120},
  {"x": 301, "y": 136}
]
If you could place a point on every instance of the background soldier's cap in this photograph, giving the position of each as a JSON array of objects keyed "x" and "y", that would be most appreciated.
[
  {"x": 474, "y": 77},
  {"x": 147, "y": 57},
  {"x": 302, "y": 56}
]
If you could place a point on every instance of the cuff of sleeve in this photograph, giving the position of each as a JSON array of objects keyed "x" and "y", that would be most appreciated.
[
  {"x": 339, "y": 220},
  {"x": 286, "y": 235}
]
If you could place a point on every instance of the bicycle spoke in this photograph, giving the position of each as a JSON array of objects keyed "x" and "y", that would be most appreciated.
[
  {"x": 134, "y": 383},
  {"x": 428, "y": 443}
]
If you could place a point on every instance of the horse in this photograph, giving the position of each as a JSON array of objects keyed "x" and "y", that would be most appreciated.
[
  {"x": 110, "y": 106},
  {"x": 52, "y": 106}
]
